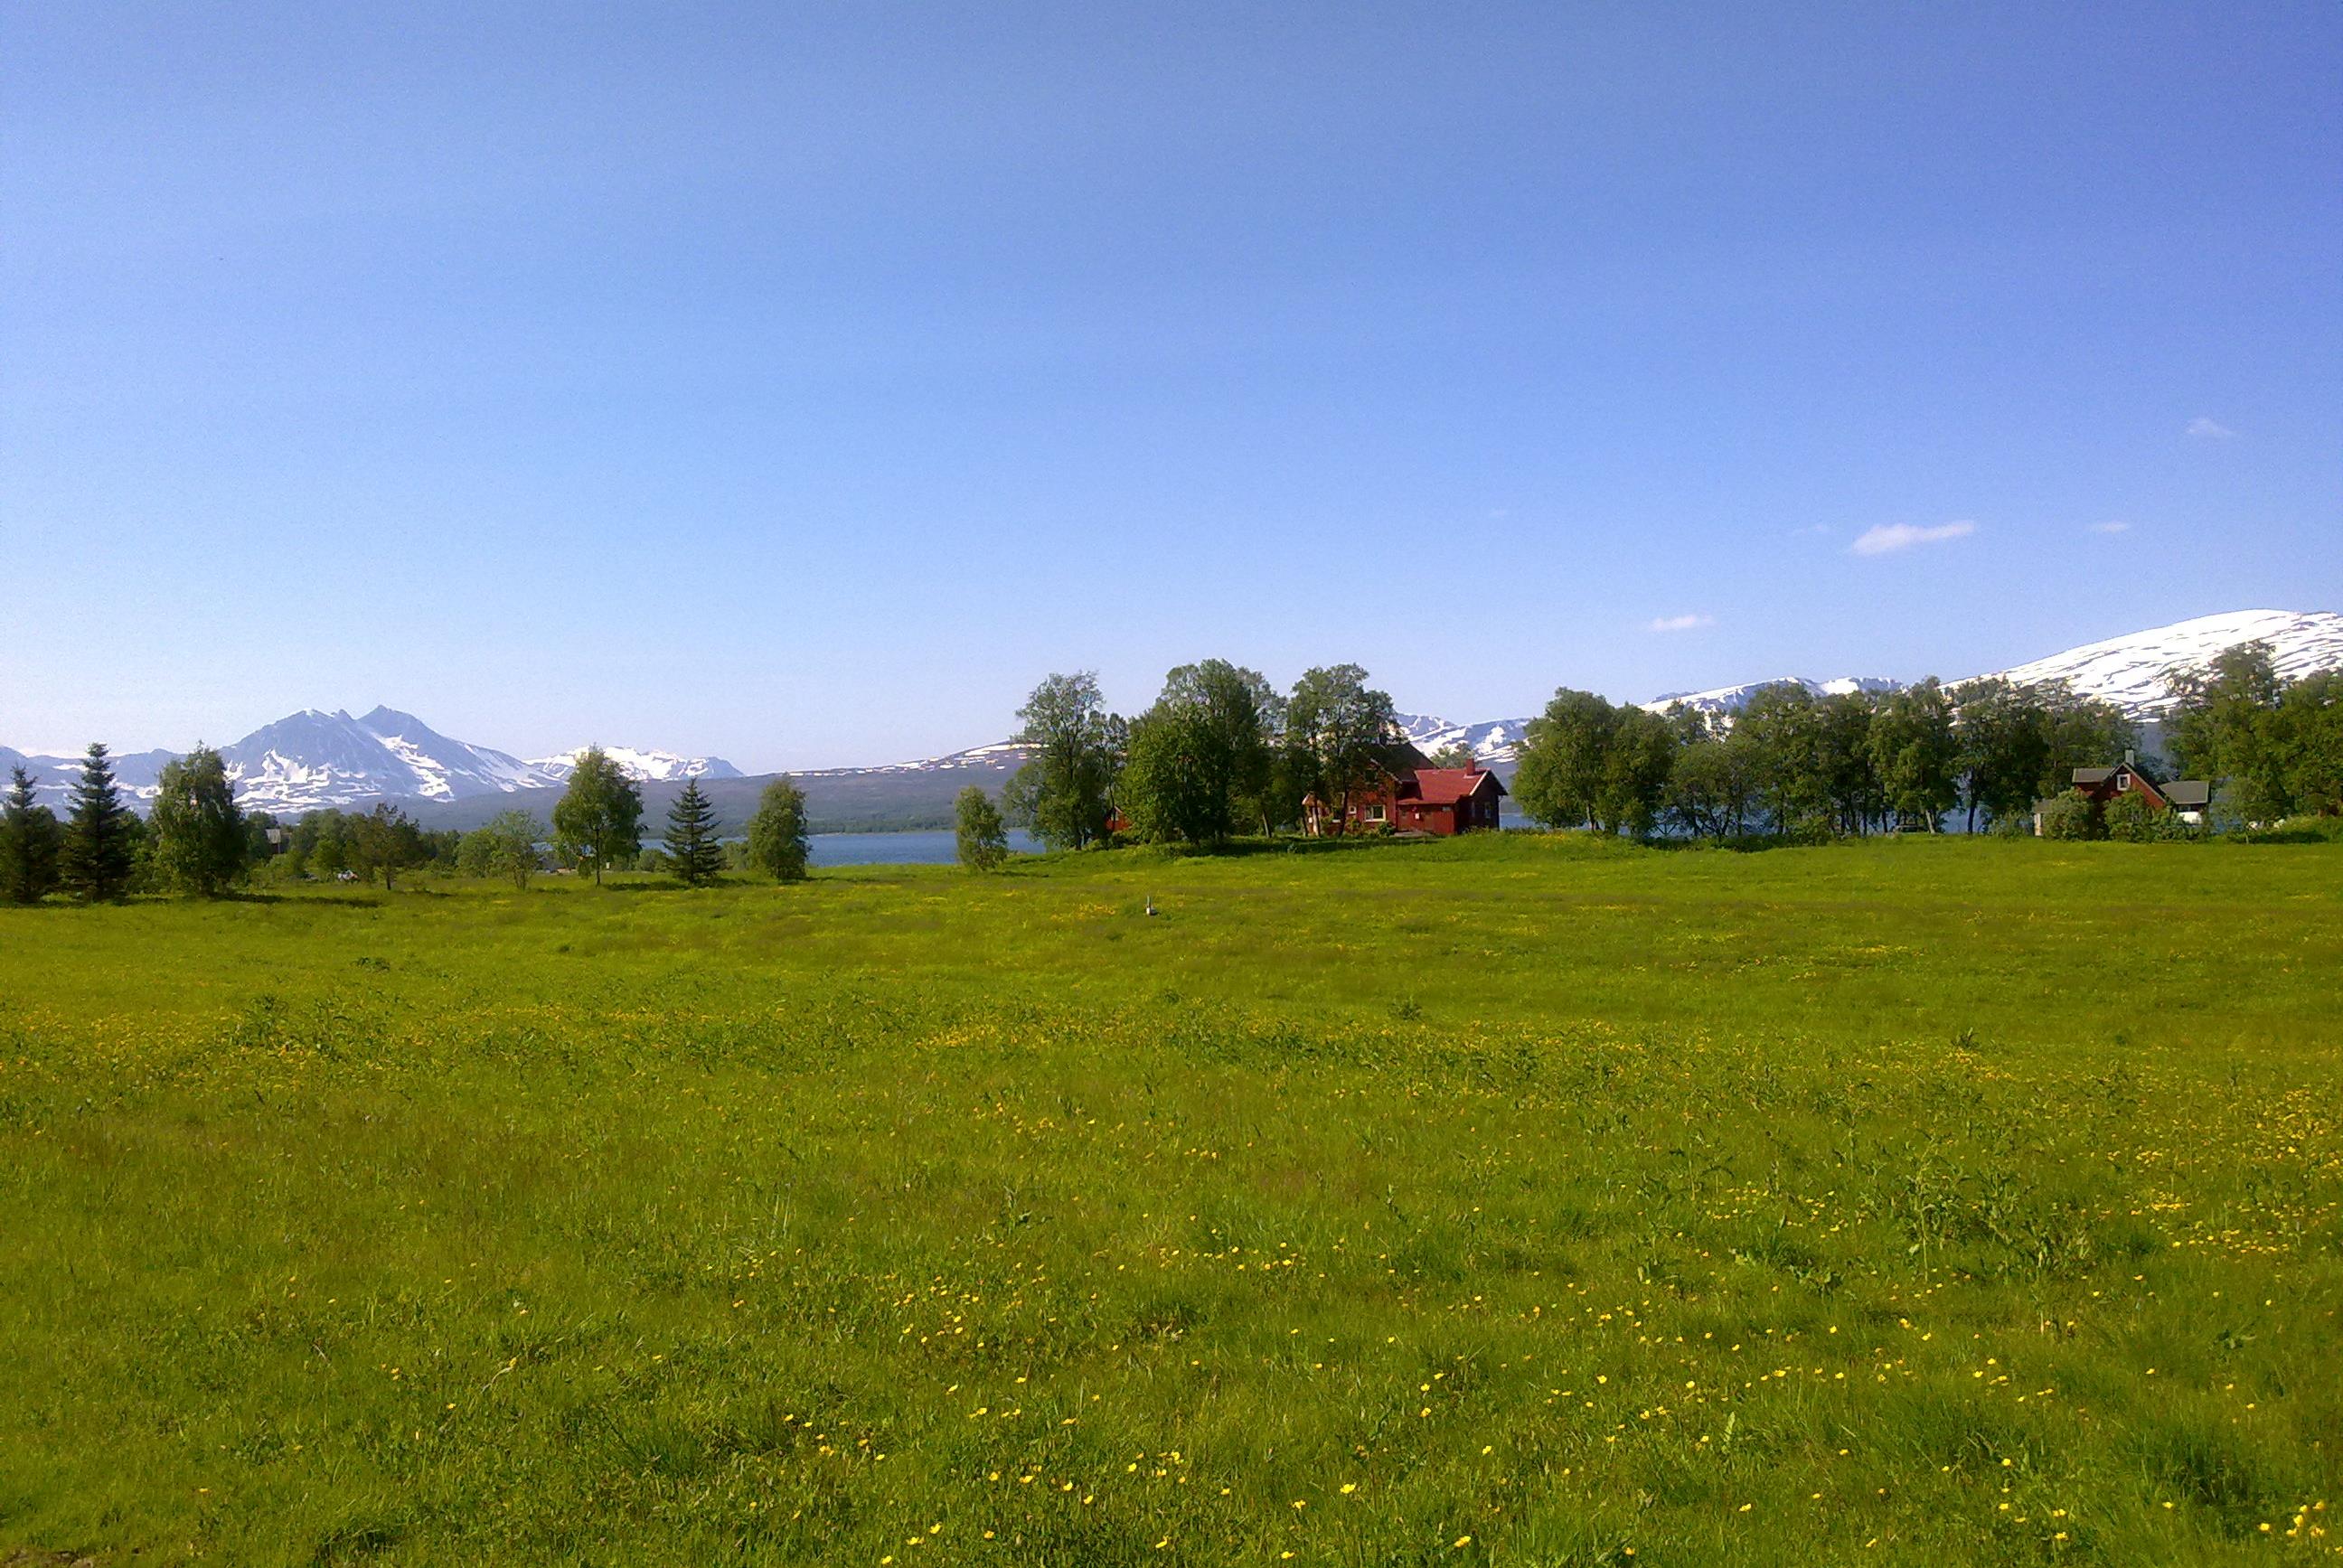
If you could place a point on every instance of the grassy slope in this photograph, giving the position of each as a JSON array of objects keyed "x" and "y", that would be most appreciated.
[{"x": 1572, "y": 1205}]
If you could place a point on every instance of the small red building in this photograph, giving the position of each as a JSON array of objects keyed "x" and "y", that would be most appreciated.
[
  {"x": 2188, "y": 797},
  {"x": 1403, "y": 793}
]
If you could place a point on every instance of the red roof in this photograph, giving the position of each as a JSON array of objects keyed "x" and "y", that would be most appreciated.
[{"x": 1447, "y": 786}]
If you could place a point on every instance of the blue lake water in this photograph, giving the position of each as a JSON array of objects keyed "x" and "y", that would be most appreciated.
[{"x": 937, "y": 848}]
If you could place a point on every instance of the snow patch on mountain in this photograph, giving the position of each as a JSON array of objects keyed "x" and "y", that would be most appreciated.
[
  {"x": 1491, "y": 740},
  {"x": 647, "y": 767},
  {"x": 1000, "y": 756},
  {"x": 1728, "y": 701},
  {"x": 2134, "y": 672}
]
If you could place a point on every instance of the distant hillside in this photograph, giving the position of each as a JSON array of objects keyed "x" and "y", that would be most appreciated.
[{"x": 837, "y": 800}]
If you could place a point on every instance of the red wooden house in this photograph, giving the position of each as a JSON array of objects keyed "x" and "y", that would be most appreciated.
[
  {"x": 2190, "y": 797},
  {"x": 1403, "y": 793}
]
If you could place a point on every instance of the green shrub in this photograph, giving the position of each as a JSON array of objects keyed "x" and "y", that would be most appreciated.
[
  {"x": 2071, "y": 816},
  {"x": 2130, "y": 819}
]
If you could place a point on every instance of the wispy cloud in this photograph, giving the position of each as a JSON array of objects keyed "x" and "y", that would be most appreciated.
[
  {"x": 1681, "y": 622},
  {"x": 2205, "y": 429},
  {"x": 2110, "y": 527},
  {"x": 1886, "y": 538}
]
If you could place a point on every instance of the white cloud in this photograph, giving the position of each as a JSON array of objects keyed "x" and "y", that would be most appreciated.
[
  {"x": 2110, "y": 527},
  {"x": 1886, "y": 538},
  {"x": 1681, "y": 622},
  {"x": 2205, "y": 429}
]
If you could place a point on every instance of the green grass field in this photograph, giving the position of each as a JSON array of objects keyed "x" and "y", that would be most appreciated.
[{"x": 1519, "y": 1201}]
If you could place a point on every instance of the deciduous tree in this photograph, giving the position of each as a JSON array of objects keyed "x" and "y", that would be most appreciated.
[
  {"x": 777, "y": 842},
  {"x": 979, "y": 834},
  {"x": 1915, "y": 754},
  {"x": 1073, "y": 751},
  {"x": 600, "y": 819},
  {"x": 1565, "y": 759},
  {"x": 1782, "y": 724},
  {"x": 1200, "y": 762},
  {"x": 1335, "y": 727},
  {"x": 509, "y": 847},
  {"x": 199, "y": 841},
  {"x": 382, "y": 843}
]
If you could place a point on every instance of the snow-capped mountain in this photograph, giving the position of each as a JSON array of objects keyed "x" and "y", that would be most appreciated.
[
  {"x": 1731, "y": 699},
  {"x": 313, "y": 759},
  {"x": 135, "y": 774},
  {"x": 2131, "y": 671},
  {"x": 1493, "y": 740},
  {"x": 650, "y": 767}
]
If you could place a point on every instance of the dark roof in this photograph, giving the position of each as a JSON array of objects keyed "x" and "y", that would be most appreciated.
[
  {"x": 2095, "y": 775},
  {"x": 2189, "y": 792},
  {"x": 1400, "y": 759}
]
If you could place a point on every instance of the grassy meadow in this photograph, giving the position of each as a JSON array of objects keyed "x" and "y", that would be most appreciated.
[{"x": 1512, "y": 1200}]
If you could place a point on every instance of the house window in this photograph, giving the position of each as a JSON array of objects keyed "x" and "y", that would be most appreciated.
[
  {"x": 2122, "y": 781},
  {"x": 1374, "y": 813}
]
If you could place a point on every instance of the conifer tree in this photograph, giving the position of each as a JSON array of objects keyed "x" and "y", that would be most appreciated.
[
  {"x": 690, "y": 840},
  {"x": 28, "y": 844},
  {"x": 100, "y": 840},
  {"x": 600, "y": 819},
  {"x": 776, "y": 833},
  {"x": 199, "y": 843}
]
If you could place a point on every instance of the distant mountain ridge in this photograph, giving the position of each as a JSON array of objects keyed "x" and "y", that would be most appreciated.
[{"x": 313, "y": 759}]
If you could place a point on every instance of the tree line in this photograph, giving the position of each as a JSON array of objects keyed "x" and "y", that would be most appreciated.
[
  {"x": 1223, "y": 752},
  {"x": 1220, "y": 752},
  {"x": 197, "y": 840},
  {"x": 1796, "y": 764},
  {"x": 2277, "y": 745}
]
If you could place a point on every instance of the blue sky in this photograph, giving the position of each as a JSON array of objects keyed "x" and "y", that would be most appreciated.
[{"x": 799, "y": 384}]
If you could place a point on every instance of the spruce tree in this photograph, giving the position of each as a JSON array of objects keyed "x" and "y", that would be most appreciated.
[
  {"x": 199, "y": 839},
  {"x": 100, "y": 839},
  {"x": 28, "y": 844},
  {"x": 690, "y": 840}
]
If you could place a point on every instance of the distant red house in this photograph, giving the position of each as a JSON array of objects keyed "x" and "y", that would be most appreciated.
[
  {"x": 1403, "y": 793},
  {"x": 2190, "y": 798}
]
